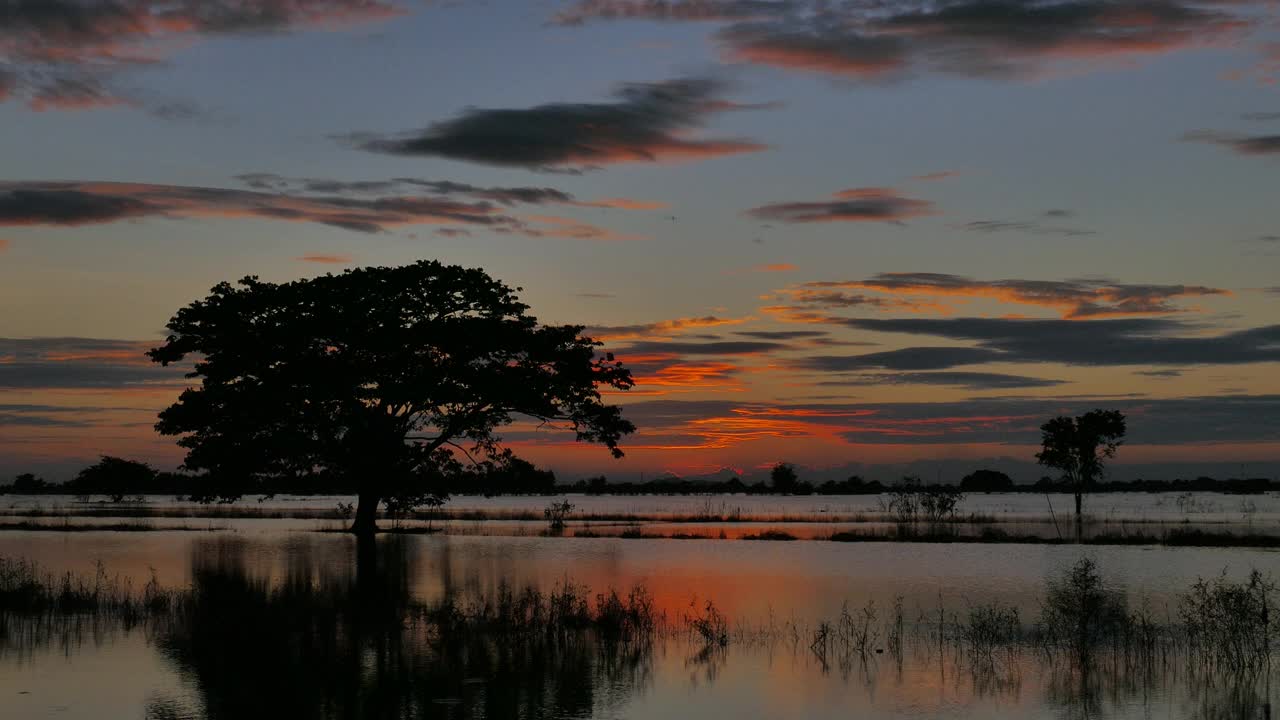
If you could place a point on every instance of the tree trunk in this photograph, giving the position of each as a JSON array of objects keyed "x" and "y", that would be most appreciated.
[
  {"x": 366, "y": 522},
  {"x": 367, "y": 584},
  {"x": 1079, "y": 517}
]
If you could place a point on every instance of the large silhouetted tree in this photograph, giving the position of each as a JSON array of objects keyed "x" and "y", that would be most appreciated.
[
  {"x": 1080, "y": 447},
  {"x": 375, "y": 377}
]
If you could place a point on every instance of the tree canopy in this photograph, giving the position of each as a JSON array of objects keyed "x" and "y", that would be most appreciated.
[{"x": 381, "y": 376}]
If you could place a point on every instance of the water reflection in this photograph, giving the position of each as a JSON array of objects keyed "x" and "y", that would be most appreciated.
[
  {"x": 330, "y": 645},
  {"x": 329, "y": 630}
]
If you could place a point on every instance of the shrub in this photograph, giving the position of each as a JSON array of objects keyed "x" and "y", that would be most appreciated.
[
  {"x": 1080, "y": 611},
  {"x": 1229, "y": 623},
  {"x": 556, "y": 514}
]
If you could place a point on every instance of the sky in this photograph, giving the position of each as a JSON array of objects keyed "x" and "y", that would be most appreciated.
[{"x": 868, "y": 237}]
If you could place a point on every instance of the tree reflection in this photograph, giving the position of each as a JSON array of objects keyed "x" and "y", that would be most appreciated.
[
  {"x": 319, "y": 645},
  {"x": 311, "y": 629}
]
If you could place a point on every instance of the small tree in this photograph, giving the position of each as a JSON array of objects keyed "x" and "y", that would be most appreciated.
[
  {"x": 1080, "y": 447},
  {"x": 903, "y": 503},
  {"x": 374, "y": 377},
  {"x": 784, "y": 478},
  {"x": 557, "y": 514},
  {"x": 986, "y": 481},
  {"x": 940, "y": 503},
  {"x": 27, "y": 484},
  {"x": 115, "y": 477}
]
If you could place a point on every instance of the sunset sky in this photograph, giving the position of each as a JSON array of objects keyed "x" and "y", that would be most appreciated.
[{"x": 865, "y": 236}]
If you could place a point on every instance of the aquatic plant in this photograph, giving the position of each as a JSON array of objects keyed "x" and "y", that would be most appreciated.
[
  {"x": 708, "y": 624},
  {"x": 556, "y": 514},
  {"x": 1228, "y": 624},
  {"x": 1080, "y": 610},
  {"x": 939, "y": 504},
  {"x": 770, "y": 535},
  {"x": 990, "y": 628}
]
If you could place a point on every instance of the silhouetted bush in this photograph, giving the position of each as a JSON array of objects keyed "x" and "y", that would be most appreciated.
[
  {"x": 986, "y": 481},
  {"x": 770, "y": 535},
  {"x": 556, "y": 514},
  {"x": 1080, "y": 611},
  {"x": 1229, "y": 624}
]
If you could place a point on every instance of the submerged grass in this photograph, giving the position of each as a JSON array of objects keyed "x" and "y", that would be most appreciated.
[
  {"x": 28, "y": 592},
  {"x": 926, "y": 533},
  {"x": 769, "y": 535},
  {"x": 1177, "y": 537},
  {"x": 565, "y": 609},
  {"x": 26, "y": 589},
  {"x": 1219, "y": 626},
  {"x": 67, "y": 526}
]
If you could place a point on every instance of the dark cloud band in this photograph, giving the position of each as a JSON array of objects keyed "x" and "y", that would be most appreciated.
[{"x": 646, "y": 123}]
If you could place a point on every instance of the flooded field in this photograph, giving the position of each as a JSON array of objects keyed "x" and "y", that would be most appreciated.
[
  {"x": 277, "y": 623},
  {"x": 1023, "y": 515}
]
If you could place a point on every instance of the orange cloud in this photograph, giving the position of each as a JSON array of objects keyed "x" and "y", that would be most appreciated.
[
  {"x": 684, "y": 374},
  {"x": 563, "y": 227},
  {"x": 660, "y": 328},
  {"x": 327, "y": 259},
  {"x": 939, "y": 175},
  {"x": 837, "y": 53},
  {"x": 621, "y": 204},
  {"x": 792, "y": 314}
]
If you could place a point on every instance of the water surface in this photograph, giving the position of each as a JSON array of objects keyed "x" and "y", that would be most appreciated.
[{"x": 330, "y": 646}]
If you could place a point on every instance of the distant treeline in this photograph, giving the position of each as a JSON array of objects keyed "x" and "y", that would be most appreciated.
[
  {"x": 976, "y": 482},
  {"x": 117, "y": 479}
]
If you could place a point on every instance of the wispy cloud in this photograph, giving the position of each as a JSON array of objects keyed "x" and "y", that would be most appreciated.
[
  {"x": 853, "y": 205},
  {"x": 966, "y": 380},
  {"x": 1239, "y": 143},
  {"x": 51, "y": 362},
  {"x": 1037, "y": 226},
  {"x": 1118, "y": 342},
  {"x": 585, "y": 11},
  {"x": 1074, "y": 299},
  {"x": 660, "y": 328},
  {"x": 939, "y": 175},
  {"x": 718, "y": 348},
  {"x": 707, "y": 424},
  {"x": 90, "y": 203},
  {"x": 508, "y": 196},
  {"x": 327, "y": 259},
  {"x": 85, "y": 203}
]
